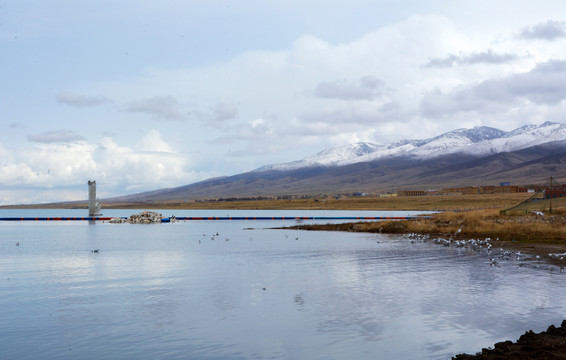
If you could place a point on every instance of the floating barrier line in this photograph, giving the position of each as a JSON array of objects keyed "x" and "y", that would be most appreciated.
[
  {"x": 191, "y": 218},
  {"x": 82, "y": 218},
  {"x": 220, "y": 218},
  {"x": 297, "y": 218}
]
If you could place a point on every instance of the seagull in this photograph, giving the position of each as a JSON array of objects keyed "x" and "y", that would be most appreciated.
[{"x": 18, "y": 243}]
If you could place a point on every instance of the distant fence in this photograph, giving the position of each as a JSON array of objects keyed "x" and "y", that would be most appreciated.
[{"x": 523, "y": 207}]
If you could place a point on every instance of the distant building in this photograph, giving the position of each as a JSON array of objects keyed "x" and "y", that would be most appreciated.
[
  {"x": 412, "y": 193},
  {"x": 462, "y": 190},
  {"x": 489, "y": 189},
  {"x": 554, "y": 193},
  {"x": 361, "y": 194}
]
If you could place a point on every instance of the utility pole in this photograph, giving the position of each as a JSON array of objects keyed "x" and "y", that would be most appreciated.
[{"x": 550, "y": 199}]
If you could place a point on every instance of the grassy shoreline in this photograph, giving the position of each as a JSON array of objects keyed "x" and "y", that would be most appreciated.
[{"x": 530, "y": 233}]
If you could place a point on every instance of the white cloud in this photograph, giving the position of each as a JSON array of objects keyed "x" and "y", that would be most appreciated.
[
  {"x": 278, "y": 85},
  {"x": 354, "y": 115},
  {"x": 224, "y": 111},
  {"x": 46, "y": 167},
  {"x": 159, "y": 107},
  {"x": 153, "y": 142},
  {"x": 369, "y": 88},
  {"x": 543, "y": 85},
  {"x": 72, "y": 99},
  {"x": 218, "y": 115},
  {"x": 549, "y": 30},
  {"x": 39, "y": 196},
  {"x": 318, "y": 90},
  {"x": 484, "y": 57},
  {"x": 256, "y": 130},
  {"x": 55, "y": 136}
]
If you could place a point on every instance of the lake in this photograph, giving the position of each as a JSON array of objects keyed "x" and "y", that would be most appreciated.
[{"x": 240, "y": 290}]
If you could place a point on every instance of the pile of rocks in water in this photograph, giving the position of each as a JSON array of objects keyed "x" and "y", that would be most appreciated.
[{"x": 145, "y": 217}]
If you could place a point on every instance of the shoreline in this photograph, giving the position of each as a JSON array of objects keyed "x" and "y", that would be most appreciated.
[
  {"x": 541, "y": 237},
  {"x": 541, "y": 244}
]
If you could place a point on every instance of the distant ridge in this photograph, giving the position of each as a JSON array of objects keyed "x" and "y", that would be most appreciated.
[{"x": 463, "y": 157}]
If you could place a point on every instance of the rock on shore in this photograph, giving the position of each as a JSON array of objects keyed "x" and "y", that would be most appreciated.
[{"x": 549, "y": 345}]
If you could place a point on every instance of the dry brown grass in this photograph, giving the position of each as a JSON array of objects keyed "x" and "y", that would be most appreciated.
[
  {"x": 489, "y": 223},
  {"x": 471, "y": 224},
  {"x": 433, "y": 203}
]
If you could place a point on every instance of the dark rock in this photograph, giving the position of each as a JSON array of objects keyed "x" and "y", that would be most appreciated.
[{"x": 548, "y": 345}]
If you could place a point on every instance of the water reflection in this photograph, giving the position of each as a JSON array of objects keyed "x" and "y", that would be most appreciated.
[{"x": 167, "y": 291}]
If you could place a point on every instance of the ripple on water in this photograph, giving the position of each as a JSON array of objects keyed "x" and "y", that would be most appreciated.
[{"x": 157, "y": 292}]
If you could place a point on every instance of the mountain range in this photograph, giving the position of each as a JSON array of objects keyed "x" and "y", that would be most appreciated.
[
  {"x": 479, "y": 141},
  {"x": 463, "y": 157}
]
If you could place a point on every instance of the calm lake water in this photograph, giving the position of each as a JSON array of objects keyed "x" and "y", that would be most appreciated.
[{"x": 171, "y": 291}]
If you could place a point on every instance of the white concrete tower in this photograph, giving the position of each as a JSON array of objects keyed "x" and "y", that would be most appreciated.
[{"x": 93, "y": 206}]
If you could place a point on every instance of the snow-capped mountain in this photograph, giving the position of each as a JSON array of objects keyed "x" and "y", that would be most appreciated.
[
  {"x": 463, "y": 157},
  {"x": 479, "y": 141},
  {"x": 521, "y": 138},
  {"x": 346, "y": 154}
]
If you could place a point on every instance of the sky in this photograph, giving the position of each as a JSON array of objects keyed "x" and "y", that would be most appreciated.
[{"x": 143, "y": 95}]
